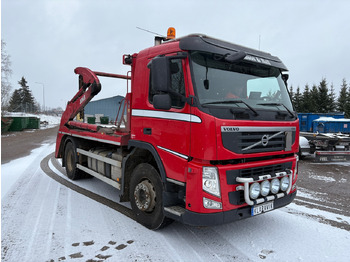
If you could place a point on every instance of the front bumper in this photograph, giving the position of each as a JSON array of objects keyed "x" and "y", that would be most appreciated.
[{"x": 201, "y": 219}]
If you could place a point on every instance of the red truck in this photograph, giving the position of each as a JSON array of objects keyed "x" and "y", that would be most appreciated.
[{"x": 205, "y": 135}]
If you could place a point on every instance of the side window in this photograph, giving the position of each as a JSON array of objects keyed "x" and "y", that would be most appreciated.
[{"x": 177, "y": 89}]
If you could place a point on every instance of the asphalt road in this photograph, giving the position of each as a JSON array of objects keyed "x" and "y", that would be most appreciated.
[
  {"x": 324, "y": 186},
  {"x": 19, "y": 144}
]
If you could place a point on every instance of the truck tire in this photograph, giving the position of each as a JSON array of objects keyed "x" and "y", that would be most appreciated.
[
  {"x": 146, "y": 197},
  {"x": 70, "y": 159}
]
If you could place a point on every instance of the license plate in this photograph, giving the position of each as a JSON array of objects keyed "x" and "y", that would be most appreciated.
[{"x": 256, "y": 210}]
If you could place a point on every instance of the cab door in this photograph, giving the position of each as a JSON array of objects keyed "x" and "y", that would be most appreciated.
[{"x": 170, "y": 127}]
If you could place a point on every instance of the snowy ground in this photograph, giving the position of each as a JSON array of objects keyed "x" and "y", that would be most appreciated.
[{"x": 43, "y": 220}]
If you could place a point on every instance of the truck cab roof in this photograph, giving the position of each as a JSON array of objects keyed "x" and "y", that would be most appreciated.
[{"x": 204, "y": 43}]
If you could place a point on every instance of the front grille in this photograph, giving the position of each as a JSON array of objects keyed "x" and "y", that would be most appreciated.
[
  {"x": 253, "y": 142},
  {"x": 257, "y": 139},
  {"x": 249, "y": 139}
]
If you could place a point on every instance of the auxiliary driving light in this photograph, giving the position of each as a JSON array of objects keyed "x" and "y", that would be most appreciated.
[
  {"x": 265, "y": 188},
  {"x": 254, "y": 191},
  {"x": 284, "y": 183},
  {"x": 275, "y": 186},
  {"x": 211, "y": 204}
]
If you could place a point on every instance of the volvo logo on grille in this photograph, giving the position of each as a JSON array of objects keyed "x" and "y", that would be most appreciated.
[{"x": 265, "y": 140}]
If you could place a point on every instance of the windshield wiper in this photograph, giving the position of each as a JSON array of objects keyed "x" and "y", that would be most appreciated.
[
  {"x": 233, "y": 102},
  {"x": 278, "y": 104}
]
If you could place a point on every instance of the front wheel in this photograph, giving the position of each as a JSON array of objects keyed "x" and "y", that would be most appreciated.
[
  {"x": 71, "y": 159},
  {"x": 146, "y": 197}
]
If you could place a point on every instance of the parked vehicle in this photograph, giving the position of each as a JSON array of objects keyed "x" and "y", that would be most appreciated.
[
  {"x": 327, "y": 136},
  {"x": 205, "y": 135}
]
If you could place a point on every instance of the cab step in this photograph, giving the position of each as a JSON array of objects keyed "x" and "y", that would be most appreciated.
[{"x": 175, "y": 210}]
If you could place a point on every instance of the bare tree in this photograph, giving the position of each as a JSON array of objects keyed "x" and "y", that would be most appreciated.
[{"x": 5, "y": 74}]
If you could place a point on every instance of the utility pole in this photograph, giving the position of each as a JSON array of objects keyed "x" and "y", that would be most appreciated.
[{"x": 43, "y": 94}]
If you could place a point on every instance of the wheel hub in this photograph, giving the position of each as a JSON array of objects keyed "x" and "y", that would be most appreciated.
[{"x": 145, "y": 196}]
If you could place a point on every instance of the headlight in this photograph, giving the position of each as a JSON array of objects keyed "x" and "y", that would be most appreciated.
[
  {"x": 254, "y": 191},
  {"x": 265, "y": 188},
  {"x": 275, "y": 186},
  {"x": 284, "y": 183},
  {"x": 210, "y": 181}
]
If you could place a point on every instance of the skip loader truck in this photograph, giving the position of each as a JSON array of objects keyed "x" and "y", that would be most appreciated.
[{"x": 205, "y": 135}]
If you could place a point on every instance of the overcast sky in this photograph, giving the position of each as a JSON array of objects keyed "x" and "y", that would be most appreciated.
[{"x": 47, "y": 39}]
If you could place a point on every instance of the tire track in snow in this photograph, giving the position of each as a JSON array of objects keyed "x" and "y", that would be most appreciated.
[
  {"x": 105, "y": 201},
  {"x": 52, "y": 221},
  {"x": 68, "y": 224},
  {"x": 205, "y": 244},
  {"x": 195, "y": 240},
  {"x": 36, "y": 227}
]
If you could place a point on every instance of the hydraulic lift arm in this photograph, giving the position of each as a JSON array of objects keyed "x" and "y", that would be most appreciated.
[{"x": 89, "y": 86}]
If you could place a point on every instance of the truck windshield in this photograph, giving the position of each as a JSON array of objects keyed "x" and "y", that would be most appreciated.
[{"x": 260, "y": 87}]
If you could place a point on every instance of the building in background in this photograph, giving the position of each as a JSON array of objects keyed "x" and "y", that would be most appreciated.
[{"x": 107, "y": 107}]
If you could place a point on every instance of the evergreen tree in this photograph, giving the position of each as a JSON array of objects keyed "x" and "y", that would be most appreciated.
[
  {"x": 306, "y": 100},
  {"x": 298, "y": 101},
  {"x": 343, "y": 96},
  {"x": 22, "y": 99},
  {"x": 347, "y": 99},
  {"x": 314, "y": 107},
  {"x": 15, "y": 104},
  {"x": 323, "y": 99},
  {"x": 332, "y": 100},
  {"x": 347, "y": 108},
  {"x": 291, "y": 93}
]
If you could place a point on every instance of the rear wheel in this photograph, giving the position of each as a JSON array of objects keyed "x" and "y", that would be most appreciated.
[
  {"x": 71, "y": 160},
  {"x": 146, "y": 197}
]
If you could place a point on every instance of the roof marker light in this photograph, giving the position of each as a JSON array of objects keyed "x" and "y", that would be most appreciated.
[{"x": 171, "y": 33}]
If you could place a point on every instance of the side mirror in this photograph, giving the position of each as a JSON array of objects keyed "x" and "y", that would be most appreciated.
[
  {"x": 160, "y": 74},
  {"x": 285, "y": 78},
  {"x": 162, "y": 101}
]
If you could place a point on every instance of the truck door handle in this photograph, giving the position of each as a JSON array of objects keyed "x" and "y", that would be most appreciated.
[{"x": 147, "y": 131}]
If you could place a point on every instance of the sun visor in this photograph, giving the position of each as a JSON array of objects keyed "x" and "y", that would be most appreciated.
[{"x": 211, "y": 45}]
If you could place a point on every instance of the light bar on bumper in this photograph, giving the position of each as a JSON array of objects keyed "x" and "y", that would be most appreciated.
[{"x": 248, "y": 181}]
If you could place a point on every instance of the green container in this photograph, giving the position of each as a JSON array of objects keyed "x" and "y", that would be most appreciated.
[
  {"x": 91, "y": 120},
  {"x": 104, "y": 119},
  {"x": 19, "y": 123},
  {"x": 5, "y": 124},
  {"x": 34, "y": 123}
]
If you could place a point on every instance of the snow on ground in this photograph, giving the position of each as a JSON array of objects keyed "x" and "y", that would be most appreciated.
[{"x": 43, "y": 220}]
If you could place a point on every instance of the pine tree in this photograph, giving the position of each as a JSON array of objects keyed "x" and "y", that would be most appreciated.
[
  {"x": 15, "y": 104},
  {"x": 347, "y": 102},
  {"x": 323, "y": 99},
  {"x": 22, "y": 99},
  {"x": 298, "y": 101},
  {"x": 332, "y": 100},
  {"x": 291, "y": 93},
  {"x": 342, "y": 99},
  {"x": 306, "y": 100},
  {"x": 314, "y": 107}
]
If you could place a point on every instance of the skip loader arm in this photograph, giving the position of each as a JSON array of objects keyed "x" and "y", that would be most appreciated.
[{"x": 89, "y": 86}]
